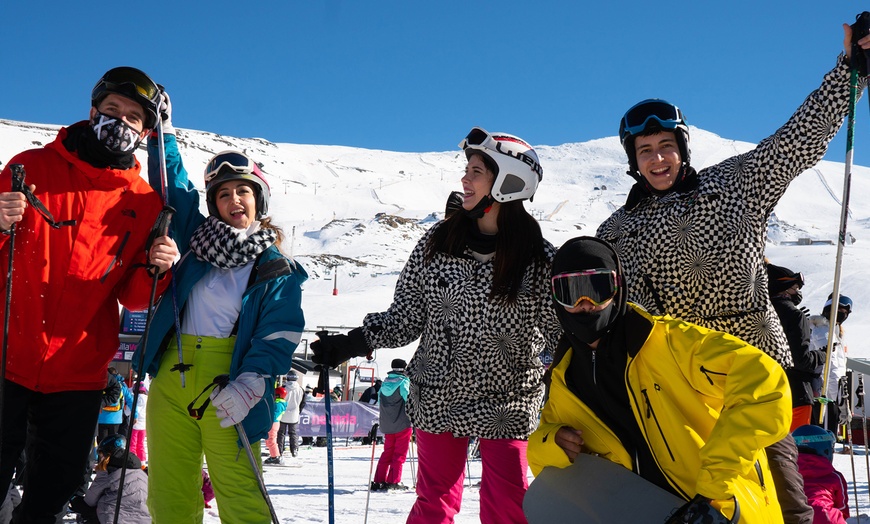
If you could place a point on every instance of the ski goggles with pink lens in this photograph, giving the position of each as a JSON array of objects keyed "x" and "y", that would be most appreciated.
[
  {"x": 237, "y": 162},
  {"x": 595, "y": 285}
]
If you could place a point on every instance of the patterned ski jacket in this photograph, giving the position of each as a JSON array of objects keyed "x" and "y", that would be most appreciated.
[
  {"x": 826, "y": 489},
  {"x": 706, "y": 402},
  {"x": 477, "y": 370},
  {"x": 271, "y": 320},
  {"x": 67, "y": 282},
  {"x": 697, "y": 253}
]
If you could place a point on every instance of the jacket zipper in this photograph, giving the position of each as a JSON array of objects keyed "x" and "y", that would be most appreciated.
[
  {"x": 760, "y": 473},
  {"x": 652, "y": 414},
  {"x": 117, "y": 257},
  {"x": 708, "y": 372},
  {"x": 633, "y": 398},
  {"x": 594, "y": 369}
]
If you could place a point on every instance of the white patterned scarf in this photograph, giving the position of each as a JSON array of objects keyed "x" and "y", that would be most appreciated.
[{"x": 224, "y": 246}]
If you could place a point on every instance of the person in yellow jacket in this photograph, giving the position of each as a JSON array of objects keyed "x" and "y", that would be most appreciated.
[{"x": 687, "y": 408}]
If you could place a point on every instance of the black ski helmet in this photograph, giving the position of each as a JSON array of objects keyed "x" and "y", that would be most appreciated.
[
  {"x": 111, "y": 443},
  {"x": 652, "y": 115},
  {"x": 844, "y": 302},
  {"x": 235, "y": 165},
  {"x": 133, "y": 84}
]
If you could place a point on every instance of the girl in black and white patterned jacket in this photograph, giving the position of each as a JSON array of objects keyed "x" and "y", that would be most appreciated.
[{"x": 475, "y": 290}]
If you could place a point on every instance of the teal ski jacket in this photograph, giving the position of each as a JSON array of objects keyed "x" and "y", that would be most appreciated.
[{"x": 271, "y": 319}]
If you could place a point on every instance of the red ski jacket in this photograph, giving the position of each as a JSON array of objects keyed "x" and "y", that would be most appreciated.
[{"x": 67, "y": 282}]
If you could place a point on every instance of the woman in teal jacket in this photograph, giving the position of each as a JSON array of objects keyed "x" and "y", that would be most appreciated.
[{"x": 239, "y": 303}]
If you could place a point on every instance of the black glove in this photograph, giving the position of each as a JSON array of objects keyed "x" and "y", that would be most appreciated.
[
  {"x": 332, "y": 350},
  {"x": 860, "y": 58},
  {"x": 699, "y": 511}
]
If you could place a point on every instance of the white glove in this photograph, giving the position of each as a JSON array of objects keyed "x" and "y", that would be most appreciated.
[
  {"x": 235, "y": 400},
  {"x": 165, "y": 112}
]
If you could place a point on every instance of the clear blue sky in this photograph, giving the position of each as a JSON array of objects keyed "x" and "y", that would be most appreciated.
[{"x": 416, "y": 76}]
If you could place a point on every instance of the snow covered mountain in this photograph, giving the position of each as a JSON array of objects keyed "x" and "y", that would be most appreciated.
[{"x": 353, "y": 215}]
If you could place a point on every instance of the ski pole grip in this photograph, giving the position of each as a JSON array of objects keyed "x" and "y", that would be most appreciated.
[
  {"x": 17, "y": 177},
  {"x": 860, "y": 29},
  {"x": 160, "y": 228}
]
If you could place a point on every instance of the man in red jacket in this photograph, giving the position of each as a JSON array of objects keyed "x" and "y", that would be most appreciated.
[{"x": 71, "y": 268}]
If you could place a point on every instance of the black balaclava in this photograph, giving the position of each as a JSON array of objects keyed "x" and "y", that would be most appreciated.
[{"x": 579, "y": 254}]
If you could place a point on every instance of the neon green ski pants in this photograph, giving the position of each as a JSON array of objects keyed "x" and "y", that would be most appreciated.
[{"x": 177, "y": 443}]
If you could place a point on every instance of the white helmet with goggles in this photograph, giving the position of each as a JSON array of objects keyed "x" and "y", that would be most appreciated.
[
  {"x": 517, "y": 169},
  {"x": 234, "y": 165}
]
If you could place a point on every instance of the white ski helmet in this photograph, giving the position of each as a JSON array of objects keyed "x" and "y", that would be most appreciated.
[
  {"x": 518, "y": 170},
  {"x": 235, "y": 165}
]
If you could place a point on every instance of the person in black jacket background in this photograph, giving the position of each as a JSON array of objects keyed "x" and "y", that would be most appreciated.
[{"x": 785, "y": 286}]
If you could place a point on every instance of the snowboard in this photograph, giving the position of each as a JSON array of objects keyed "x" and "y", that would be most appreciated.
[{"x": 596, "y": 490}]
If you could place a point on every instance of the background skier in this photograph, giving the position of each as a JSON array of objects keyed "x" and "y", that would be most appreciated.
[{"x": 394, "y": 423}]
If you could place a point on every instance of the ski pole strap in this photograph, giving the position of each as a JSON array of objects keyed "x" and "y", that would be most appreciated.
[
  {"x": 18, "y": 185},
  {"x": 43, "y": 211},
  {"x": 219, "y": 382}
]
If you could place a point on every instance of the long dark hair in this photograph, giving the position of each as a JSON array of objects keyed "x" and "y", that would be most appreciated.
[{"x": 519, "y": 243}]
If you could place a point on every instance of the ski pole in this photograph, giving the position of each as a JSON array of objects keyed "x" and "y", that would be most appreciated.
[
  {"x": 160, "y": 184},
  {"x": 864, "y": 422},
  {"x": 841, "y": 237},
  {"x": 851, "y": 448},
  {"x": 221, "y": 381},
  {"x": 323, "y": 385},
  {"x": 374, "y": 431},
  {"x": 160, "y": 228},
  {"x": 18, "y": 174},
  {"x": 413, "y": 459}
]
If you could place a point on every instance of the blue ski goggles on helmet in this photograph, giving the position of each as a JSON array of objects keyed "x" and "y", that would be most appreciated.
[
  {"x": 636, "y": 119},
  {"x": 595, "y": 285},
  {"x": 237, "y": 162}
]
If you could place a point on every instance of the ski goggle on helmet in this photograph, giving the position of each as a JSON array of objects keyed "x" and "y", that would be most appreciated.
[
  {"x": 133, "y": 84},
  {"x": 234, "y": 165},
  {"x": 652, "y": 112},
  {"x": 595, "y": 285},
  {"x": 518, "y": 168}
]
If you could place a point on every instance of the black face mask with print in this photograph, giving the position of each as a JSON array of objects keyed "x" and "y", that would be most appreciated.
[
  {"x": 115, "y": 134},
  {"x": 797, "y": 297}
]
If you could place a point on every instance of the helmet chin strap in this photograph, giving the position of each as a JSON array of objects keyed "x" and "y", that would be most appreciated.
[{"x": 481, "y": 208}]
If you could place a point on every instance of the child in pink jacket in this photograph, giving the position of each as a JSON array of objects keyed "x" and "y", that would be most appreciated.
[{"x": 824, "y": 486}]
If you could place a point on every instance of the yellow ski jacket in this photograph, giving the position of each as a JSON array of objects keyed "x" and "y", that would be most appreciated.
[{"x": 706, "y": 402}]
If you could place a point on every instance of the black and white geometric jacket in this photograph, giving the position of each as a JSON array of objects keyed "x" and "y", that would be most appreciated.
[
  {"x": 477, "y": 370},
  {"x": 698, "y": 254}
]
